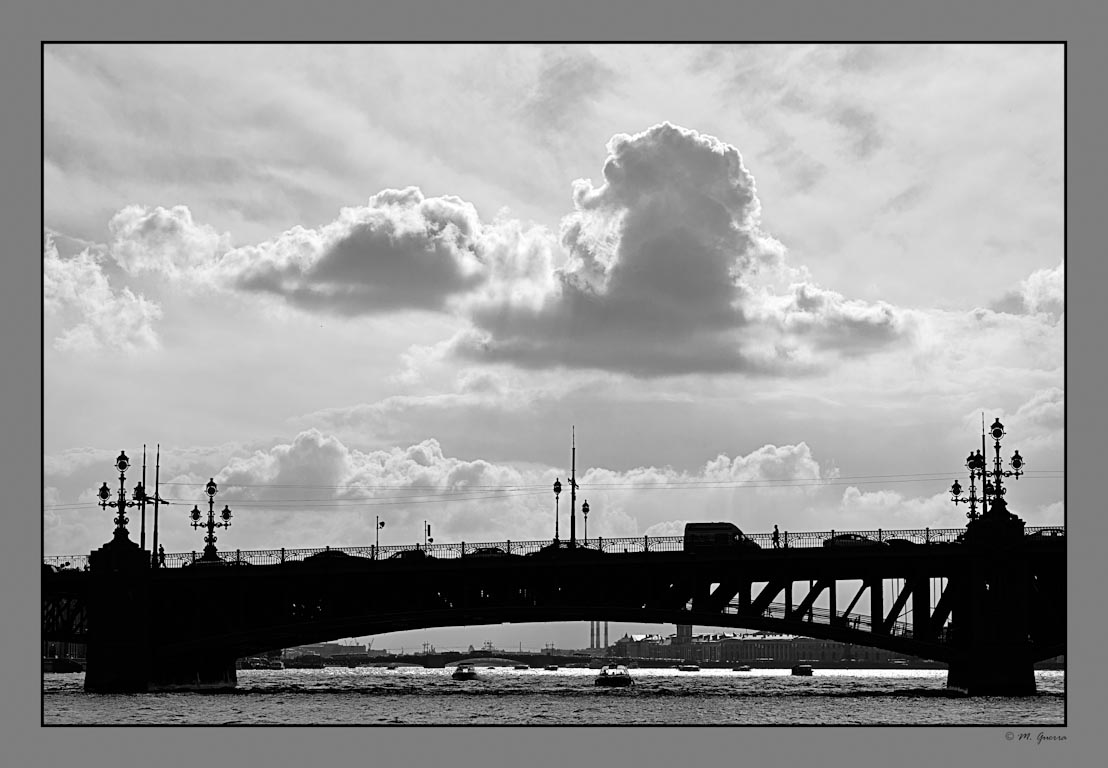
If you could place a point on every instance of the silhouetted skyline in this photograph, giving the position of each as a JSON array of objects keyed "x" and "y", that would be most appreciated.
[{"x": 766, "y": 284}]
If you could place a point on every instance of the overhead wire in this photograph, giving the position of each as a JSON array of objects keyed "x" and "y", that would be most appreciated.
[{"x": 480, "y": 492}]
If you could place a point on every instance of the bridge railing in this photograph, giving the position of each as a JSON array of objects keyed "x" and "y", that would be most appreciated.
[{"x": 449, "y": 551}]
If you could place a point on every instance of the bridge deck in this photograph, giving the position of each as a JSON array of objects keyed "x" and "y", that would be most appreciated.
[{"x": 449, "y": 551}]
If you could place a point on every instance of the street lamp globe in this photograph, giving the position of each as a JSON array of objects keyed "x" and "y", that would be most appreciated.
[
  {"x": 997, "y": 430},
  {"x": 122, "y": 462}
]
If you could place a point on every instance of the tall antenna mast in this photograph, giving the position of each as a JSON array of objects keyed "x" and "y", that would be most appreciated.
[
  {"x": 157, "y": 498},
  {"x": 142, "y": 502},
  {"x": 573, "y": 490}
]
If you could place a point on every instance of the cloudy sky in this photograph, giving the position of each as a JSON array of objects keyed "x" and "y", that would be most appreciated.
[{"x": 771, "y": 284}]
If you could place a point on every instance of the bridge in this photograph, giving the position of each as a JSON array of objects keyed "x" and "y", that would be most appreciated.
[
  {"x": 988, "y": 606},
  {"x": 989, "y": 600}
]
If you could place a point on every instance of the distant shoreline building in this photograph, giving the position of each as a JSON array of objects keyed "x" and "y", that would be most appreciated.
[{"x": 733, "y": 647}]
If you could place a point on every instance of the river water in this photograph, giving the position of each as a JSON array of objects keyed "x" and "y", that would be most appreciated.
[{"x": 505, "y": 696}]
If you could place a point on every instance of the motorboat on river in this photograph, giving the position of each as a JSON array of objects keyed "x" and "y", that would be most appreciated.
[
  {"x": 614, "y": 677},
  {"x": 464, "y": 672},
  {"x": 802, "y": 670},
  {"x": 688, "y": 667},
  {"x": 743, "y": 668}
]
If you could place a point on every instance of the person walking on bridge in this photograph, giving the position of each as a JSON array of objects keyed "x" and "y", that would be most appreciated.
[{"x": 776, "y": 538}]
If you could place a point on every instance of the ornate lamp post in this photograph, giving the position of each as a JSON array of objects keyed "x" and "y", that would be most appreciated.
[
  {"x": 557, "y": 492},
  {"x": 999, "y": 507},
  {"x": 377, "y": 543},
  {"x": 210, "y": 554},
  {"x": 585, "y": 513},
  {"x": 121, "y": 504},
  {"x": 994, "y": 488},
  {"x": 975, "y": 463}
]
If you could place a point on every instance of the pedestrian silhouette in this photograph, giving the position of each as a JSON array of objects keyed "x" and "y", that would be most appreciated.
[
  {"x": 776, "y": 538},
  {"x": 161, "y": 556}
]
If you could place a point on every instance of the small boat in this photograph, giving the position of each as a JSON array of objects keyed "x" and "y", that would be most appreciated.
[
  {"x": 688, "y": 667},
  {"x": 551, "y": 667},
  {"x": 614, "y": 677},
  {"x": 802, "y": 670},
  {"x": 743, "y": 668},
  {"x": 392, "y": 666},
  {"x": 464, "y": 672},
  {"x": 522, "y": 666},
  {"x": 275, "y": 664}
]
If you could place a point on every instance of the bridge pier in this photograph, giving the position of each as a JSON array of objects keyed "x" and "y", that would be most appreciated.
[
  {"x": 991, "y": 619},
  {"x": 118, "y": 652},
  {"x": 1001, "y": 669},
  {"x": 118, "y": 657}
]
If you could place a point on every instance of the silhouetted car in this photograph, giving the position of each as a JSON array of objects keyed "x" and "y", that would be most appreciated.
[
  {"x": 1050, "y": 533},
  {"x": 716, "y": 536},
  {"x": 487, "y": 552},
  {"x": 566, "y": 549},
  {"x": 851, "y": 540},
  {"x": 900, "y": 542},
  {"x": 332, "y": 556},
  {"x": 409, "y": 554}
]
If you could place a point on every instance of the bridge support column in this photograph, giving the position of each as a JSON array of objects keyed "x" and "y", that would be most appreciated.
[
  {"x": 118, "y": 653},
  {"x": 1000, "y": 669},
  {"x": 120, "y": 620},
  {"x": 991, "y": 621}
]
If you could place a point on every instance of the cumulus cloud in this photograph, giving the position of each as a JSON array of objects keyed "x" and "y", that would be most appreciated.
[
  {"x": 1045, "y": 411},
  {"x": 402, "y": 250},
  {"x": 165, "y": 240},
  {"x": 666, "y": 271},
  {"x": 848, "y": 326},
  {"x": 1036, "y": 428},
  {"x": 890, "y": 510},
  {"x": 77, "y": 291},
  {"x": 1042, "y": 293},
  {"x": 315, "y": 489},
  {"x": 665, "y": 259}
]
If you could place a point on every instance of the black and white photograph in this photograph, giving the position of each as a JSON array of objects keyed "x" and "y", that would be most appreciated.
[{"x": 554, "y": 384}]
